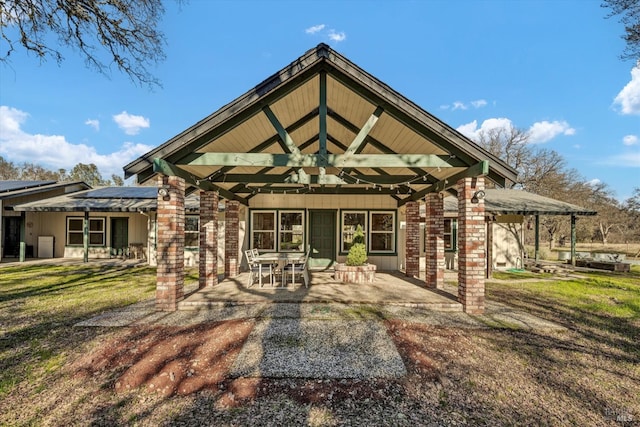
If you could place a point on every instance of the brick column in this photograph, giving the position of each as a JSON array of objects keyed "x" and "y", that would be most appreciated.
[
  {"x": 435, "y": 240},
  {"x": 412, "y": 239},
  {"x": 471, "y": 238},
  {"x": 208, "y": 263},
  {"x": 231, "y": 237},
  {"x": 170, "y": 243}
]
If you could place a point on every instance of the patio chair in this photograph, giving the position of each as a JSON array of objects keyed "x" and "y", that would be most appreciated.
[
  {"x": 300, "y": 268},
  {"x": 256, "y": 269}
]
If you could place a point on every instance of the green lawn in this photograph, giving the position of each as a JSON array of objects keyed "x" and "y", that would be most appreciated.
[{"x": 587, "y": 374}]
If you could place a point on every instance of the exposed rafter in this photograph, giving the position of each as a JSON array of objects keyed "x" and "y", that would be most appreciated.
[
  {"x": 317, "y": 160},
  {"x": 358, "y": 141},
  {"x": 166, "y": 168},
  {"x": 479, "y": 169},
  {"x": 289, "y": 145}
]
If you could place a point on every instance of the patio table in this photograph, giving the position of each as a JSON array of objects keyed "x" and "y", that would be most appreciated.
[{"x": 282, "y": 258}]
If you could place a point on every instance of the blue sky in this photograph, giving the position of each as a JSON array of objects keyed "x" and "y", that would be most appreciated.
[{"x": 551, "y": 68}]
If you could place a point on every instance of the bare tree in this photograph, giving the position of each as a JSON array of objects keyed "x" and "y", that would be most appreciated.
[
  {"x": 105, "y": 32},
  {"x": 629, "y": 10}
]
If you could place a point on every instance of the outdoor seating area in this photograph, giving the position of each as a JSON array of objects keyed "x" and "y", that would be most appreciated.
[
  {"x": 279, "y": 267},
  {"x": 391, "y": 288}
]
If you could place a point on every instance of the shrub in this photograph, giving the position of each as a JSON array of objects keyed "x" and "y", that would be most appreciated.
[{"x": 358, "y": 252}]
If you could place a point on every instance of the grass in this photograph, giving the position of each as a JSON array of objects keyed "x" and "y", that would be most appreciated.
[
  {"x": 581, "y": 376},
  {"x": 39, "y": 304}
]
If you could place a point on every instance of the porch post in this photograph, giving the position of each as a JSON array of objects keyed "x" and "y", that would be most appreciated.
[
  {"x": 170, "y": 243},
  {"x": 85, "y": 237},
  {"x": 208, "y": 265},
  {"x": 573, "y": 239},
  {"x": 23, "y": 243},
  {"x": 412, "y": 240},
  {"x": 471, "y": 235},
  {"x": 231, "y": 237},
  {"x": 435, "y": 240}
]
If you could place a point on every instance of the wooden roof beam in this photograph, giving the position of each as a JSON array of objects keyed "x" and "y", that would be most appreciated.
[
  {"x": 166, "y": 168},
  {"x": 319, "y": 160},
  {"x": 358, "y": 142},
  {"x": 479, "y": 169}
]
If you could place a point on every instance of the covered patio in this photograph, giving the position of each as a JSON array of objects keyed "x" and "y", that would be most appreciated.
[
  {"x": 305, "y": 157},
  {"x": 392, "y": 288}
]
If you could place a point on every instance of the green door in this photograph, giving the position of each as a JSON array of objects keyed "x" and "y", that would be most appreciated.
[
  {"x": 119, "y": 236},
  {"x": 322, "y": 238}
]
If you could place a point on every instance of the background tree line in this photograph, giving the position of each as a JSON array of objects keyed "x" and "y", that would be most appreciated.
[
  {"x": 87, "y": 173},
  {"x": 545, "y": 172}
]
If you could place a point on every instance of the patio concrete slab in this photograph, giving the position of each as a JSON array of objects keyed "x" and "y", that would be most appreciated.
[{"x": 388, "y": 288}]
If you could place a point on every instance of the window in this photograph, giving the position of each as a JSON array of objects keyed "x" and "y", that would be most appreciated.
[
  {"x": 191, "y": 231},
  {"x": 263, "y": 231},
  {"x": 382, "y": 230},
  {"x": 291, "y": 230},
  {"x": 75, "y": 234},
  {"x": 450, "y": 229},
  {"x": 350, "y": 221}
]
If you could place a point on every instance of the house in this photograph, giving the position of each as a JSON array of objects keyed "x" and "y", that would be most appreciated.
[
  {"x": 20, "y": 232},
  {"x": 307, "y": 155},
  {"x": 121, "y": 222}
]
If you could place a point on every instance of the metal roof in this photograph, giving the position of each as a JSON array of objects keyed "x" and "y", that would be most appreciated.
[
  {"x": 106, "y": 199},
  {"x": 11, "y": 189},
  {"x": 520, "y": 202},
  {"x": 320, "y": 105},
  {"x": 21, "y": 185}
]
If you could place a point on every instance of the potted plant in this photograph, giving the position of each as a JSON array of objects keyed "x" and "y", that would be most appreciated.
[{"x": 356, "y": 269}]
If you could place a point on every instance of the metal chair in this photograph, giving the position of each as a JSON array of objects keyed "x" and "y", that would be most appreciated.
[{"x": 298, "y": 268}]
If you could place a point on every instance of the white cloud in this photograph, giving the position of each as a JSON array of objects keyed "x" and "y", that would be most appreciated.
[
  {"x": 472, "y": 131},
  {"x": 479, "y": 103},
  {"x": 624, "y": 160},
  {"x": 131, "y": 124},
  {"x": 457, "y": 105},
  {"x": 445, "y": 107},
  {"x": 629, "y": 96},
  {"x": 314, "y": 29},
  {"x": 545, "y": 131},
  {"x": 630, "y": 140},
  {"x": 94, "y": 123},
  {"x": 337, "y": 37},
  {"x": 54, "y": 151},
  {"x": 594, "y": 182}
]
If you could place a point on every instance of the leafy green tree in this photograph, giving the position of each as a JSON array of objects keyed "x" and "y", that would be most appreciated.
[{"x": 87, "y": 173}]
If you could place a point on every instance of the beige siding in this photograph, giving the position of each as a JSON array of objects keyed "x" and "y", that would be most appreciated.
[{"x": 507, "y": 235}]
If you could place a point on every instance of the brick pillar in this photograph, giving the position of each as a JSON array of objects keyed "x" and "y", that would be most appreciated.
[
  {"x": 471, "y": 238},
  {"x": 412, "y": 239},
  {"x": 435, "y": 240},
  {"x": 170, "y": 244},
  {"x": 231, "y": 237},
  {"x": 208, "y": 263}
]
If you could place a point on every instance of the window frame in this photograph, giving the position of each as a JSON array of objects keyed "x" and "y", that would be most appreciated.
[
  {"x": 195, "y": 232},
  {"x": 393, "y": 232},
  {"x": 274, "y": 213},
  {"x": 342, "y": 231},
  {"x": 281, "y": 231},
  {"x": 102, "y": 232}
]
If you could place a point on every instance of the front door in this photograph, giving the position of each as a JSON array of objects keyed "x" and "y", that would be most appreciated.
[
  {"x": 322, "y": 238},
  {"x": 12, "y": 236},
  {"x": 119, "y": 236}
]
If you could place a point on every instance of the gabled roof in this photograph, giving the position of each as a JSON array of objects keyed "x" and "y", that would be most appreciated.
[
  {"x": 322, "y": 122},
  {"x": 519, "y": 202},
  {"x": 106, "y": 199},
  {"x": 12, "y": 189}
]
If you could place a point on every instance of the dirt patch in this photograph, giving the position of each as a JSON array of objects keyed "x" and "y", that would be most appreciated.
[{"x": 169, "y": 360}]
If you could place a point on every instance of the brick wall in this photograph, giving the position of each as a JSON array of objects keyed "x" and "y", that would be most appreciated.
[
  {"x": 170, "y": 244},
  {"x": 434, "y": 225},
  {"x": 471, "y": 248},
  {"x": 412, "y": 239},
  {"x": 208, "y": 254},
  {"x": 231, "y": 244}
]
